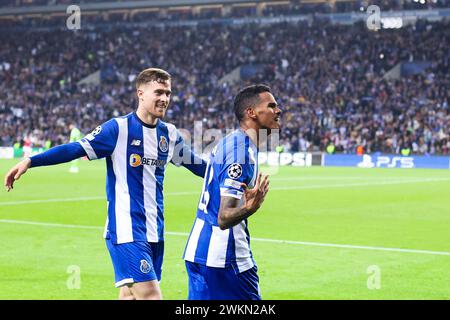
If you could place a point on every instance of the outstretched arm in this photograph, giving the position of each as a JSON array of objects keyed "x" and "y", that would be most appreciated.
[
  {"x": 185, "y": 156},
  {"x": 230, "y": 213},
  {"x": 56, "y": 155},
  {"x": 197, "y": 165}
]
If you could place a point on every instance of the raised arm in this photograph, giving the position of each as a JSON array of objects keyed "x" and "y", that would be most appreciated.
[{"x": 231, "y": 213}]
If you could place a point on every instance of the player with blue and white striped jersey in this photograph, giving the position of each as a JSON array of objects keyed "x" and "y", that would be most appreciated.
[
  {"x": 137, "y": 148},
  {"x": 218, "y": 258}
]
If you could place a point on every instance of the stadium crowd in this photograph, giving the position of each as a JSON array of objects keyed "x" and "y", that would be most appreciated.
[
  {"x": 327, "y": 78},
  {"x": 295, "y": 6}
]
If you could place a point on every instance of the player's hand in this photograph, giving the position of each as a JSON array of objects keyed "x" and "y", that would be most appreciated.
[
  {"x": 255, "y": 197},
  {"x": 15, "y": 173}
]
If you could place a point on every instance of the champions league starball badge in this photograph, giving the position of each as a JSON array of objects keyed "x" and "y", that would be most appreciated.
[
  {"x": 234, "y": 171},
  {"x": 97, "y": 130}
]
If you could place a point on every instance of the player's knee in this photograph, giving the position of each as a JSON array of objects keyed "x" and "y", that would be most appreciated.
[
  {"x": 147, "y": 291},
  {"x": 154, "y": 294},
  {"x": 125, "y": 294},
  {"x": 149, "y": 296}
]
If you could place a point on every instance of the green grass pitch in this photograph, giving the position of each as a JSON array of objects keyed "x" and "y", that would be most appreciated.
[{"x": 337, "y": 224}]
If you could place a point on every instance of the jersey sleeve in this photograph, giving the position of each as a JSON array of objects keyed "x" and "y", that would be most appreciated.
[
  {"x": 102, "y": 141},
  {"x": 184, "y": 155},
  {"x": 231, "y": 174},
  {"x": 58, "y": 154}
]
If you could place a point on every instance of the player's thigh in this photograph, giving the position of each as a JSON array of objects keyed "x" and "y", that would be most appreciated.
[
  {"x": 248, "y": 284},
  {"x": 134, "y": 262},
  {"x": 147, "y": 290},
  {"x": 157, "y": 250},
  {"x": 197, "y": 285},
  {"x": 230, "y": 284}
]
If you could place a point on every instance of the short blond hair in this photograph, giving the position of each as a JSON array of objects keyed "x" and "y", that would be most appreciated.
[{"x": 152, "y": 74}]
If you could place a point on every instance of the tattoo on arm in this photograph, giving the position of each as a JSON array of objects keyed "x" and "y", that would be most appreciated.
[{"x": 230, "y": 213}]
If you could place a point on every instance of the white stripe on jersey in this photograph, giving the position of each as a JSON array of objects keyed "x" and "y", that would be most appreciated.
[
  {"x": 105, "y": 231},
  {"x": 149, "y": 181},
  {"x": 217, "y": 250},
  {"x": 228, "y": 193},
  {"x": 251, "y": 155},
  {"x": 172, "y": 140},
  {"x": 243, "y": 258},
  {"x": 88, "y": 149},
  {"x": 124, "y": 229},
  {"x": 193, "y": 240}
]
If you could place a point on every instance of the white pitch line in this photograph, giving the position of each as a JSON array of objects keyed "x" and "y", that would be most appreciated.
[
  {"x": 184, "y": 234},
  {"x": 371, "y": 178},
  {"x": 189, "y": 193},
  {"x": 345, "y": 185},
  {"x": 11, "y": 203}
]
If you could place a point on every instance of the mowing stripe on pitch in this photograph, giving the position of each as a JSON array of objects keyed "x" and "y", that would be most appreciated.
[
  {"x": 304, "y": 243},
  {"x": 190, "y": 193}
]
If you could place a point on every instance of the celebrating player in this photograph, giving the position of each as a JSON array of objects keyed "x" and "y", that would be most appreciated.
[
  {"x": 137, "y": 148},
  {"x": 218, "y": 258}
]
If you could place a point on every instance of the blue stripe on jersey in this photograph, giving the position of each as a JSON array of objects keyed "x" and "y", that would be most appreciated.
[
  {"x": 231, "y": 250},
  {"x": 224, "y": 150},
  {"x": 247, "y": 145},
  {"x": 203, "y": 243},
  {"x": 111, "y": 198},
  {"x": 161, "y": 131},
  {"x": 247, "y": 234},
  {"x": 235, "y": 151},
  {"x": 135, "y": 179}
]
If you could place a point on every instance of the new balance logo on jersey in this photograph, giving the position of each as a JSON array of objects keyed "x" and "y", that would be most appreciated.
[
  {"x": 136, "y": 142},
  {"x": 136, "y": 160}
]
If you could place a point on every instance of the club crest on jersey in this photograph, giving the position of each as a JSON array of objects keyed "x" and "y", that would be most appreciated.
[
  {"x": 135, "y": 160},
  {"x": 145, "y": 266},
  {"x": 163, "y": 145},
  {"x": 234, "y": 171}
]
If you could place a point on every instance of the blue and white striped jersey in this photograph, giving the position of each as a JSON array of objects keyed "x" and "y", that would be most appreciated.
[
  {"x": 136, "y": 158},
  {"x": 232, "y": 161}
]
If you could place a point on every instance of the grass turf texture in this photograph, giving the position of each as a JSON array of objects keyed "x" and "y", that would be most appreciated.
[{"x": 390, "y": 208}]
